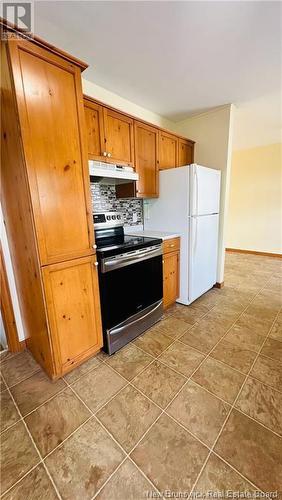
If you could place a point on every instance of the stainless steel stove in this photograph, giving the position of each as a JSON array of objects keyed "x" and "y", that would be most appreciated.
[{"x": 130, "y": 277}]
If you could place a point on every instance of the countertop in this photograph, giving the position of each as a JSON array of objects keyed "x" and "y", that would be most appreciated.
[{"x": 153, "y": 234}]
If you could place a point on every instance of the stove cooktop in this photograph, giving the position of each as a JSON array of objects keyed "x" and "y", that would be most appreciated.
[{"x": 107, "y": 247}]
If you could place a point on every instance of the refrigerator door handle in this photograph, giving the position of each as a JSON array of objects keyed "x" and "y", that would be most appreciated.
[
  {"x": 197, "y": 190},
  {"x": 196, "y": 233}
]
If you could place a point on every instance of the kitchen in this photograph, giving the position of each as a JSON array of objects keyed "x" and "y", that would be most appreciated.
[{"x": 115, "y": 237}]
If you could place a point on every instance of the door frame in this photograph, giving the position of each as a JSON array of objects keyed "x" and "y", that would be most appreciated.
[{"x": 14, "y": 345}]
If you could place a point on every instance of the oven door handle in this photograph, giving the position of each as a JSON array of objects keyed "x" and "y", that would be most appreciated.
[
  {"x": 126, "y": 324},
  {"x": 126, "y": 260}
]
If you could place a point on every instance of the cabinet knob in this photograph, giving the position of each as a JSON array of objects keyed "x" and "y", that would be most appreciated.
[
  {"x": 137, "y": 190},
  {"x": 94, "y": 246},
  {"x": 96, "y": 264},
  {"x": 109, "y": 155},
  {"x": 104, "y": 153}
]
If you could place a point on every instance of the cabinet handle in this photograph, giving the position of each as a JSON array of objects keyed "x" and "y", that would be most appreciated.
[
  {"x": 109, "y": 155},
  {"x": 172, "y": 245},
  {"x": 94, "y": 246},
  {"x": 104, "y": 153}
]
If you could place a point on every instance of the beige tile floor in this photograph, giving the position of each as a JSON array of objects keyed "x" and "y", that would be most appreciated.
[{"x": 193, "y": 405}]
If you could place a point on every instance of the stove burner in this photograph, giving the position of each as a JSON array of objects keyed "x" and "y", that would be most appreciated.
[{"x": 110, "y": 237}]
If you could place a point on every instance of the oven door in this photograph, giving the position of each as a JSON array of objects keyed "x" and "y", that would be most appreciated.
[{"x": 129, "y": 284}]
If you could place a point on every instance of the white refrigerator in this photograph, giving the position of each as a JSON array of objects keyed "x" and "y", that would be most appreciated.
[{"x": 188, "y": 204}]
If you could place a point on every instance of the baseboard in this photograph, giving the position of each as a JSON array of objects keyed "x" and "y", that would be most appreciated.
[
  {"x": 219, "y": 285},
  {"x": 22, "y": 345},
  {"x": 254, "y": 252}
]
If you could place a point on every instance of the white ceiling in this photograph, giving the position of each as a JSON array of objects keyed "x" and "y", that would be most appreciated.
[{"x": 174, "y": 58}]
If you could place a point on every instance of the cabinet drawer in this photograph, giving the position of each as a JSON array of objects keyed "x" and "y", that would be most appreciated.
[{"x": 171, "y": 245}]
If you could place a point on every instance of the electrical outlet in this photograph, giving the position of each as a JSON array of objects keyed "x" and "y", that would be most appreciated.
[
  {"x": 134, "y": 217},
  {"x": 146, "y": 211}
]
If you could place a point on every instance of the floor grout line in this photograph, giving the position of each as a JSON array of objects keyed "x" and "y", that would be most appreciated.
[
  {"x": 172, "y": 343},
  {"x": 237, "y": 397},
  {"x": 129, "y": 382},
  {"x": 100, "y": 362},
  {"x": 24, "y": 379},
  {"x": 22, "y": 417},
  {"x": 163, "y": 410},
  {"x": 37, "y": 450},
  {"x": 127, "y": 455},
  {"x": 264, "y": 383},
  {"x": 19, "y": 480}
]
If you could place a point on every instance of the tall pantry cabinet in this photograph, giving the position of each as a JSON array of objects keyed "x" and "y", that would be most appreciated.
[{"x": 46, "y": 203}]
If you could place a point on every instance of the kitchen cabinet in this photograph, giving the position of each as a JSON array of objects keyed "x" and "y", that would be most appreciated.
[
  {"x": 72, "y": 294},
  {"x": 95, "y": 130},
  {"x": 115, "y": 137},
  {"x": 46, "y": 202},
  {"x": 118, "y": 137},
  {"x": 171, "y": 259},
  {"x": 168, "y": 150},
  {"x": 48, "y": 91},
  {"x": 146, "y": 160},
  {"x": 185, "y": 152},
  {"x": 109, "y": 134}
]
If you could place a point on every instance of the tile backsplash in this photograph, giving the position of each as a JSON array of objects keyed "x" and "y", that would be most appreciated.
[{"x": 104, "y": 199}]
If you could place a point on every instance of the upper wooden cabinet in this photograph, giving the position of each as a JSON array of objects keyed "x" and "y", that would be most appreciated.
[
  {"x": 49, "y": 98},
  {"x": 185, "y": 152},
  {"x": 109, "y": 134},
  {"x": 95, "y": 130},
  {"x": 118, "y": 137},
  {"x": 168, "y": 150},
  {"x": 147, "y": 160}
]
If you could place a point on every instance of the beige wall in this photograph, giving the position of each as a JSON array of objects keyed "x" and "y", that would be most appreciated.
[
  {"x": 129, "y": 107},
  {"x": 212, "y": 132},
  {"x": 11, "y": 278},
  {"x": 255, "y": 211}
]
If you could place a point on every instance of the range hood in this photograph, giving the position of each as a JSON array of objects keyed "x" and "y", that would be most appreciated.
[{"x": 108, "y": 173}]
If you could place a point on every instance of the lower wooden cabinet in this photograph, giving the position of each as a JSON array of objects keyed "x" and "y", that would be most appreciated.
[
  {"x": 73, "y": 307},
  {"x": 171, "y": 260}
]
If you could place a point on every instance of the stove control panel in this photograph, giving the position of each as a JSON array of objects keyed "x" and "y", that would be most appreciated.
[{"x": 108, "y": 219}]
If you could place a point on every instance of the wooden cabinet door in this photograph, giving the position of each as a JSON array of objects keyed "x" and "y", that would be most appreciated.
[
  {"x": 50, "y": 104},
  {"x": 168, "y": 150},
  {"x": 119, "y": 137},
  {"x": 95, "y": 130},
  {"x": 73, "y": 304},
  {"x": 185, "y": 152},
  {"x": 146, "y": 160},
  {"x": 170, "y": 278}
]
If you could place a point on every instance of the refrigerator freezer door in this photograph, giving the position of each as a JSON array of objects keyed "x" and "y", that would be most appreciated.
[
  {"x": 204, "y": 190},
  {"x": 169, "y": 211},
  {"x": 203, "y": 245}
]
